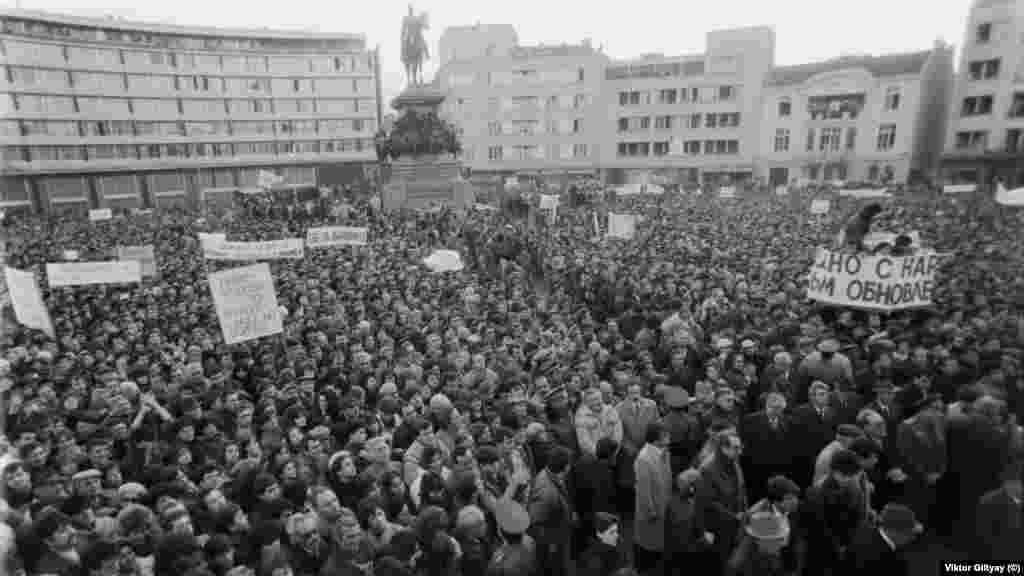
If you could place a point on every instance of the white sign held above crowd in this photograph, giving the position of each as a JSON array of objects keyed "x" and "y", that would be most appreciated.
[
  {"x": 820, "y": 206},
  {"x": 336, "y": 236},
  {"x": 266, "y": 179},
  {"x": 287, "y": 249},
  {"x": 621, "y": 225},
  {"x": 727, "y": 192},
  {"x": 60, "y": 274},
  {"x": 246, "y": 303},
  {"x": 444, "y": 261},
  {"x": 100, "y": 214},
  {"x": 143, "y": 254},
  {"x": 959, "y": 188},
  {"x": 864, "y": 193},
  {"x": 874, "y": 282},
  {"x": 1006, "y": 197},
  {"x": 27, "y": 300}
]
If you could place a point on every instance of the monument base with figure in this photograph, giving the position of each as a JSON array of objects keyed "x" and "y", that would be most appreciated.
[{"x": 420, "y": 155}]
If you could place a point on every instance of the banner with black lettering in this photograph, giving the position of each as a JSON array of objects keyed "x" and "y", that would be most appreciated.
[{"x": 875, "y": 282}]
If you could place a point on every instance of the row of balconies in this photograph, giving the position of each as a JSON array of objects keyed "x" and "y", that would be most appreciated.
[
  {"x": 133, "y": 164},
  {"x": 360, "y": 90}
]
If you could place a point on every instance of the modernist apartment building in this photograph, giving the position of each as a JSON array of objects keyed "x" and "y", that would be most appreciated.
[
  {"x": 688, "y": 119},
  {"x": 107, "y": 113},
  {"x": 527, "y": 108},
  {"x": 986, "y": 139},
  {"x": 864, "y": 118}
]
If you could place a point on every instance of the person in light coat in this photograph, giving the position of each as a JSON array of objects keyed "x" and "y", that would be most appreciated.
[
  {"x": 595, "y": 420},
  {"x": 653, "y": 492}
]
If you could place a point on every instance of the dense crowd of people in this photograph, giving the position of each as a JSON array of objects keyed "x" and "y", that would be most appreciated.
[{"x": 669, "y": 404}]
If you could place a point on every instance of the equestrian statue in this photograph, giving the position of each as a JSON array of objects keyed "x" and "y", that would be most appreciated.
[{"x": 414, "y": 46}]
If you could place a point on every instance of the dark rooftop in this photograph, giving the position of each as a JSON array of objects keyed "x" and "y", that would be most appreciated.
[{"x": 886, "y": 65}]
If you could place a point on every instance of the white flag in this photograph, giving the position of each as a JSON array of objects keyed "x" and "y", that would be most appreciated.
[{"x": 27, "y": 301}]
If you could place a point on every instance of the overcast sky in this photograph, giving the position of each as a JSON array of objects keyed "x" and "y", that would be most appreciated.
[{"x": 806, "y": 30}]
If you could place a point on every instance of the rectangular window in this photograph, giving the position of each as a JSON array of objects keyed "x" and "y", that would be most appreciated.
[
  {"x": 695, "y": 121},
  {"x": 892, "y": 98},
  {"x": 667, "y": 96},
  {"x": 983, "y": 69},
  {"x": 661, "y": 148},
  {"x": 785, "y": 108},
  {"x": 579, "y": 150},
  {"x": 494, "y": 153},
  {"x": 851, "y": 138},
  {"x": 691, "y": 147},
  {"x": 577, "y": 125},
  {"x": 972, "y": 140},
  {"x": 810, "y": 140},
  {"x": 663, "y": 123},
  {"x": 886, "y": 137},
  {"x": 726, "y": 93},
  {"x": 579, "y": 101},
  {"x": 830, "y": 139},
  {"x": 1017, "y": 105},
  {"x": 711, "y": 121},
  {"x": 781, "y": 140},
  {"x": 983, "y": 33}
]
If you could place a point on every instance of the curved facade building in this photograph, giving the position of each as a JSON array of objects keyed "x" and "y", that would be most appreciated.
[{"x": 101, "y": 113}]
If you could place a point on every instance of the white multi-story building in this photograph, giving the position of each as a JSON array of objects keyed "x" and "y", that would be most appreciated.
[
  {"x": 688, "y": 119},
  {"x": 107, "y": 113},
  {"x": 986, "y": 137},
  {"x": 866, "y": 118},
  {"x": 528, "y": 108},
  {"x": 476, "y": 41}
]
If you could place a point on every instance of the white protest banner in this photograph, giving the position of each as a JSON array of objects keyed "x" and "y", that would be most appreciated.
[
  {"x": 1006, "y": 197},
  {"x": 27, "y": 301},
  {"x": 865, "y": 193},
  {"x": 70, "y": 254},
  {"x": 87, "y": 273},
  {"x": 782, "y": 190},
  {"x": 336, "y": 236},
  {"x": 267, "y": 179},
  {"x": 873, "y": 282},
  {"x": 820, "y": 207},
  {"x": 959, "y": 188},
  {"x": 100, "y": 214},
  {"x": 212, "y": 238},
  {"x": 144, "y": 255},
  {"x": 444, "y": 261},
  {"x": 727, "y": 192},
  {"x": 246, "y": 303},
  {"x": 621, "y": 225},
  {"x": 289, "y": 248}
]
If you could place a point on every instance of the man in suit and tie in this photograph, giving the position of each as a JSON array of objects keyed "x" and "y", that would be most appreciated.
[
  {"x": 768, "y": 453},
  {"x": 653, "y": 492},
  {"x": 845, "y": 402},
  {"x": 885, "y": 404},
  {"x": 1000, "y": 519},
  {"x": 636, "y": 413},
  {"x": 812, "y": 429}
]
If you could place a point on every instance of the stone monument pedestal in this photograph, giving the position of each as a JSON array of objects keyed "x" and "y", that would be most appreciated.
[{"x": 421, "y": 180}]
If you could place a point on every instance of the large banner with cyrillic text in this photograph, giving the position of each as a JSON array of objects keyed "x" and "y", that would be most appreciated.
[{"x": 875, "y": 282}]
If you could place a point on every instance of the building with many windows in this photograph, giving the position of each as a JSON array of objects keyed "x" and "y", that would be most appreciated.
[
  {"x": 688, "y": 119},
  {"x": 107, "y": 113},
  {"x": 864, "y": 118},
  {"x": 986, "y": 138},
  {"x": 527, "y": 108}
]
